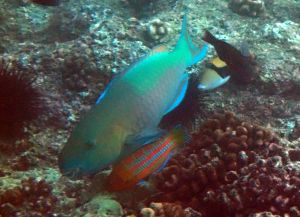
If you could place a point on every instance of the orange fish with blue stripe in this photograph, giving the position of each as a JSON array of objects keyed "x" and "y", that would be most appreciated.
[{"x": 150, "y": 158}]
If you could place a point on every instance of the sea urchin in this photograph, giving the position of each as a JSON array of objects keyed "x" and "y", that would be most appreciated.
[{"x": 20, "y": 103}]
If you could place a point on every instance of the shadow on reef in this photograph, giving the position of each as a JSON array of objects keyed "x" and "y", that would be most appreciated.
[
  {"x": 189, "y": 108},
  {"x": 62, "y": 26},
  {"x": 147, "y": 8}
]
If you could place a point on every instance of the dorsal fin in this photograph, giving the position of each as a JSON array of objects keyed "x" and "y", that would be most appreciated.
[{"x": 185, "y": 44}]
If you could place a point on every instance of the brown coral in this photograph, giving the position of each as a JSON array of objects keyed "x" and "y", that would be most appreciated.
[
  {"x": 252, "y": 8},
  {"x": 167, "y": 210},
  {"x": 231, "y": 168}
]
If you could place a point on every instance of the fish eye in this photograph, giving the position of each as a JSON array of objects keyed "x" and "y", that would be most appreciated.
[{"x": 90, "y": 143}]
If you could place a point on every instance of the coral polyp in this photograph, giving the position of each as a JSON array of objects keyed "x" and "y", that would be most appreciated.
[
  {"x": 20, "y": 103},
  {"x": 232, "y": 168}
]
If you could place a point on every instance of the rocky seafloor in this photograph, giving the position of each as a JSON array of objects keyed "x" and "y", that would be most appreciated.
[{"x": 73, "y": 50}]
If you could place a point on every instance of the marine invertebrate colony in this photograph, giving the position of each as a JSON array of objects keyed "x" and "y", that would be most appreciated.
[
  {"x": 20, "y": 102},
  {"x": 231, "y": 168},
  {"x": 252, "y": 8},
  {"x": 155, "y": 30}
]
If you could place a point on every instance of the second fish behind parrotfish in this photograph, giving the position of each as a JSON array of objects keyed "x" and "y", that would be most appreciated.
[
  {"x": 128, "y": 112},
  {"x": 152, "y": 157},
  {"x": 242, "y": 66}
]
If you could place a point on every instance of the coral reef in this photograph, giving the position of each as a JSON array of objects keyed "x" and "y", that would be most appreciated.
[
  {"x": 20, "y": 102},
  {"x": 155, "y": 30},
  {"x": 33, "y": 198},
  {"x": 166, "y": 210},
  {"x": 294, "y": 154},
  {"x": 102, "y": 206},
  {"x": 231, "y": 168},
  {"x": 70, "y": 25},
  {"x": 147, "y": 8},
  {"x": 73, "y": 58},
  {"x": 252, "y": 8}
]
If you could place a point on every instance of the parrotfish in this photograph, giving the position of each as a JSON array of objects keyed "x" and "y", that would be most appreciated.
[
  {"x": 150, "y": 158},
  {"x": 127, "y": 113},
  {"x": 241, "y": 65}
]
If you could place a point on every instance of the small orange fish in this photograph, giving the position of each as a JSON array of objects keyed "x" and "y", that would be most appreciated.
[{"x": 132, "y": 169}]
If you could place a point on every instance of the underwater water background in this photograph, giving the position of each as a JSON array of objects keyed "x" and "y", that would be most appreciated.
[{"x": 242, "y": 156}]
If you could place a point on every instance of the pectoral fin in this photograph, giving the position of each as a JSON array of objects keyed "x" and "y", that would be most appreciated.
[
  {"x": 211, "y": 79},
  {"x": 135, "y": 142},
  {"x": 180, "y": 93}
]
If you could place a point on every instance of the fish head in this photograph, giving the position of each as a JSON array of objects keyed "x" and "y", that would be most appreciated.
[{"x": 87, "y": 152}]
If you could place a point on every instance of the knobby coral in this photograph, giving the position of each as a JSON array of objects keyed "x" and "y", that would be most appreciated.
[
  {"x": 166, "y": 210},
  {"x": 252, "y": 8},
  {"x": 231, "y": 168}
]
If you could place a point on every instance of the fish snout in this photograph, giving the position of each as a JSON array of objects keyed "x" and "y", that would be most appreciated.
[{"x": 72, "y": 173}]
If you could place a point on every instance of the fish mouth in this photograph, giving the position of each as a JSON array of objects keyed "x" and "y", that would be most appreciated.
[{"x": 73, "y": 174}]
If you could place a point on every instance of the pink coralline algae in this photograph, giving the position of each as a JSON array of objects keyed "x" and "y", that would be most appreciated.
[{"x": 231, "y": 168}]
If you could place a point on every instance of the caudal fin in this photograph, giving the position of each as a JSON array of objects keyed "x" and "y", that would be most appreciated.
[
  {"x": 210, "y": 79},
  {"x": 180, "y": 135},
  {"x": 188, "y": 48}
]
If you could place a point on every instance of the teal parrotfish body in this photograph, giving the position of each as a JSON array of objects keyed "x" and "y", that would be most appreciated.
[{"x": 129, "y": 110}]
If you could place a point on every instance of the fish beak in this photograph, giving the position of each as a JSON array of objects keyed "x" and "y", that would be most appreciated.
[{"x": 72, "y": 174}]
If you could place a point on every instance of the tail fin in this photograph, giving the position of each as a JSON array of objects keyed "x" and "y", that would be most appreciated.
[
  {"x": 180, "y": 135},
  {"x": 186, "y": 45},
  {"x": 210, "y": 79},
  {"x": 209, "y": 38}
]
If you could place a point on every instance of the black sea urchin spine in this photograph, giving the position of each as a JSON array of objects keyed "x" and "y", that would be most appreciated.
[{"x": 20, "y": 103}]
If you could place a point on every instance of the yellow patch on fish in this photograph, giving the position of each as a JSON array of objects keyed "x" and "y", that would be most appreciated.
[{"x": 216, "y": 61}]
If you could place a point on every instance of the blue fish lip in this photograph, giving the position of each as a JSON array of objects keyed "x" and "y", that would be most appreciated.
[
  {"x": 70, "y": 172},
  {"x": 73, "y": 172}
]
